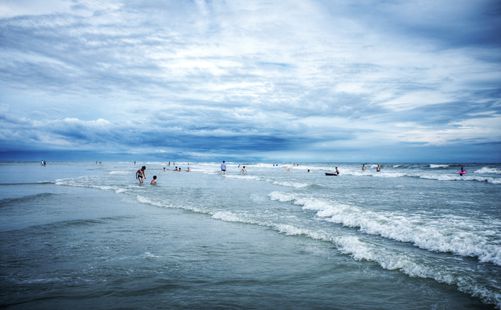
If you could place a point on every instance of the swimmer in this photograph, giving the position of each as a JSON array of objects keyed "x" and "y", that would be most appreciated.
[
  {"x": 154, "y": 180},
  {"x": 243, "y": 171}
]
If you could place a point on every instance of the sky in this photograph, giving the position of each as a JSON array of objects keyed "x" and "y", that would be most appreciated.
[{"x": 292, "y": 80}]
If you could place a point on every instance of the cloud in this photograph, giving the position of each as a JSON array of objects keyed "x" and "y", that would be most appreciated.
[{"x": 257, "y": 77}]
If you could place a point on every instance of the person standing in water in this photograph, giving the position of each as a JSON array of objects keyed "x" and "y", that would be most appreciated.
[
  {"x": 243, "y": 171},
  {"x": 141, "y": 175},
  {"x": 462, "y": 171},
  {"x": 223, "y": 167},
  {"x": 337, "y": 171}
]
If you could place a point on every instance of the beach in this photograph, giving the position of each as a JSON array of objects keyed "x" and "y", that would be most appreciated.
[{"x": 86, "y": 235}]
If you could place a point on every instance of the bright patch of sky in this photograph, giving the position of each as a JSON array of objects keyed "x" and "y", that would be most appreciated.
[{"x": 263, "y": 80}]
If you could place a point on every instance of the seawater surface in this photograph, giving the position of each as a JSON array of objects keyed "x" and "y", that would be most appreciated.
[{"x": 412, "y": 236}]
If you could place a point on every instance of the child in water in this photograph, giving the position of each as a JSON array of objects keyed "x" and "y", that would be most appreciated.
[{"x": 154, "y": 180}]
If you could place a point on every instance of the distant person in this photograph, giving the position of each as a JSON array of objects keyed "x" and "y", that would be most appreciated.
[
  {"x": 164, "y": 169},
  {"x": 154, "y": 180},
  {"x": 337, "y": 171},
  {"x": 378, "y": 168},
  {"x": 462, "y": 171},
  {"x": 188, "y": 169},
  {"x": 243, "y": 171},
  {"x": 308, "y": 170},
  {"x": 363, "y": 167},
  {"x": 141, "y": 174},
  {"x": 223, "y": 167}
]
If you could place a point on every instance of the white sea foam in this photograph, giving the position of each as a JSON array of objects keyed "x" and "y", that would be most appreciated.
[
  {"x": 459, "y": 235},
  {"x": 150, "y": 255},
  {"x": 120, "y": 172},
  {"x": 290, "y": 184},
  {"x": 227, "y": 216},
  {"x": 436, "y": 166},
  {"x": 488, "y": 170},
  {"x": 421, "y": 175},
  {"x": 353, "y": 246},
  {"x": 391, "y": 260},
  {"x": 241, "y": 177},
  {"x": 454, "y": 177},
  {"x": 161, "y": 204}
]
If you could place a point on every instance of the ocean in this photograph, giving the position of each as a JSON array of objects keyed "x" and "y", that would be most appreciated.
[{"x": 413, "y": 236}]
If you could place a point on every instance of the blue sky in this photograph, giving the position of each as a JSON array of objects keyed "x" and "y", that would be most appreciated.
[{"x": 257, "y": 80}]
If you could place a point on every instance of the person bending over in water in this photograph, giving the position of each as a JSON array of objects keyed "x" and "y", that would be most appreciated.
[
  {"x": 154, "y": 180},
  {"x": 141, "y": 175}
]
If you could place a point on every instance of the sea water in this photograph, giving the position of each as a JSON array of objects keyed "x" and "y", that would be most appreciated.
[{"x": 412, "y": 236}]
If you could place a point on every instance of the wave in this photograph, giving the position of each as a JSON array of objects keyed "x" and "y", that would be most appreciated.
[
  {"x": 452, "y": 177},
  {"x": 241, "y": 177},
  {"x": 26, "y": 198},
  {"x": 453, "y": 234},
  {"x": 359, "y": 250},
  {"x": 290, "y": 184},
  {"x": 28, "y": 183},
  {"x": 88, "y": 183},
  {"x": 488, "y": 170},
  {"x": 435, "y": 166},
  {"x": 427, "y": 176},
  {"x": 121, "y": 172}
]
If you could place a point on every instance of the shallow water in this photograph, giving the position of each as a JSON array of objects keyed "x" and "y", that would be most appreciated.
[{"x": 411, "y": 236}]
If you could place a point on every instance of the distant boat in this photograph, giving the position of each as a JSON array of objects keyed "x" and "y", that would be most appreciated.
[{"x": 331, "y": 174}]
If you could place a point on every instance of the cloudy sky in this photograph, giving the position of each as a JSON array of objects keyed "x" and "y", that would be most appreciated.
[{"x": 264, "y": 80}]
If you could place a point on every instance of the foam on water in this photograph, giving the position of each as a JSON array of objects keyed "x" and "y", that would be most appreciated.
[
  {"x": 435, "y": 166},
  {"x": 241, "y": 177},
  {"x": 422, "y": 175},
  {"x": 289, "y": 184},
  {"x": 121, "y": 172},
  {"x": 475, "y": 236},
  {"x": 454, "y": 234},
  {"x": 488, "y": 170},
  {"x": 360, "y": 250}
]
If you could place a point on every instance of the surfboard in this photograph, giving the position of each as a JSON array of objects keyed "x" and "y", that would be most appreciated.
[{"x": 331, "y": 174}]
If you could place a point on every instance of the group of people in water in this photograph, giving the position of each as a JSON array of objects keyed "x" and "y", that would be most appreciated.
[
  {"x": 141, "y": 173},
  {"x": 378, "y": 167}
]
